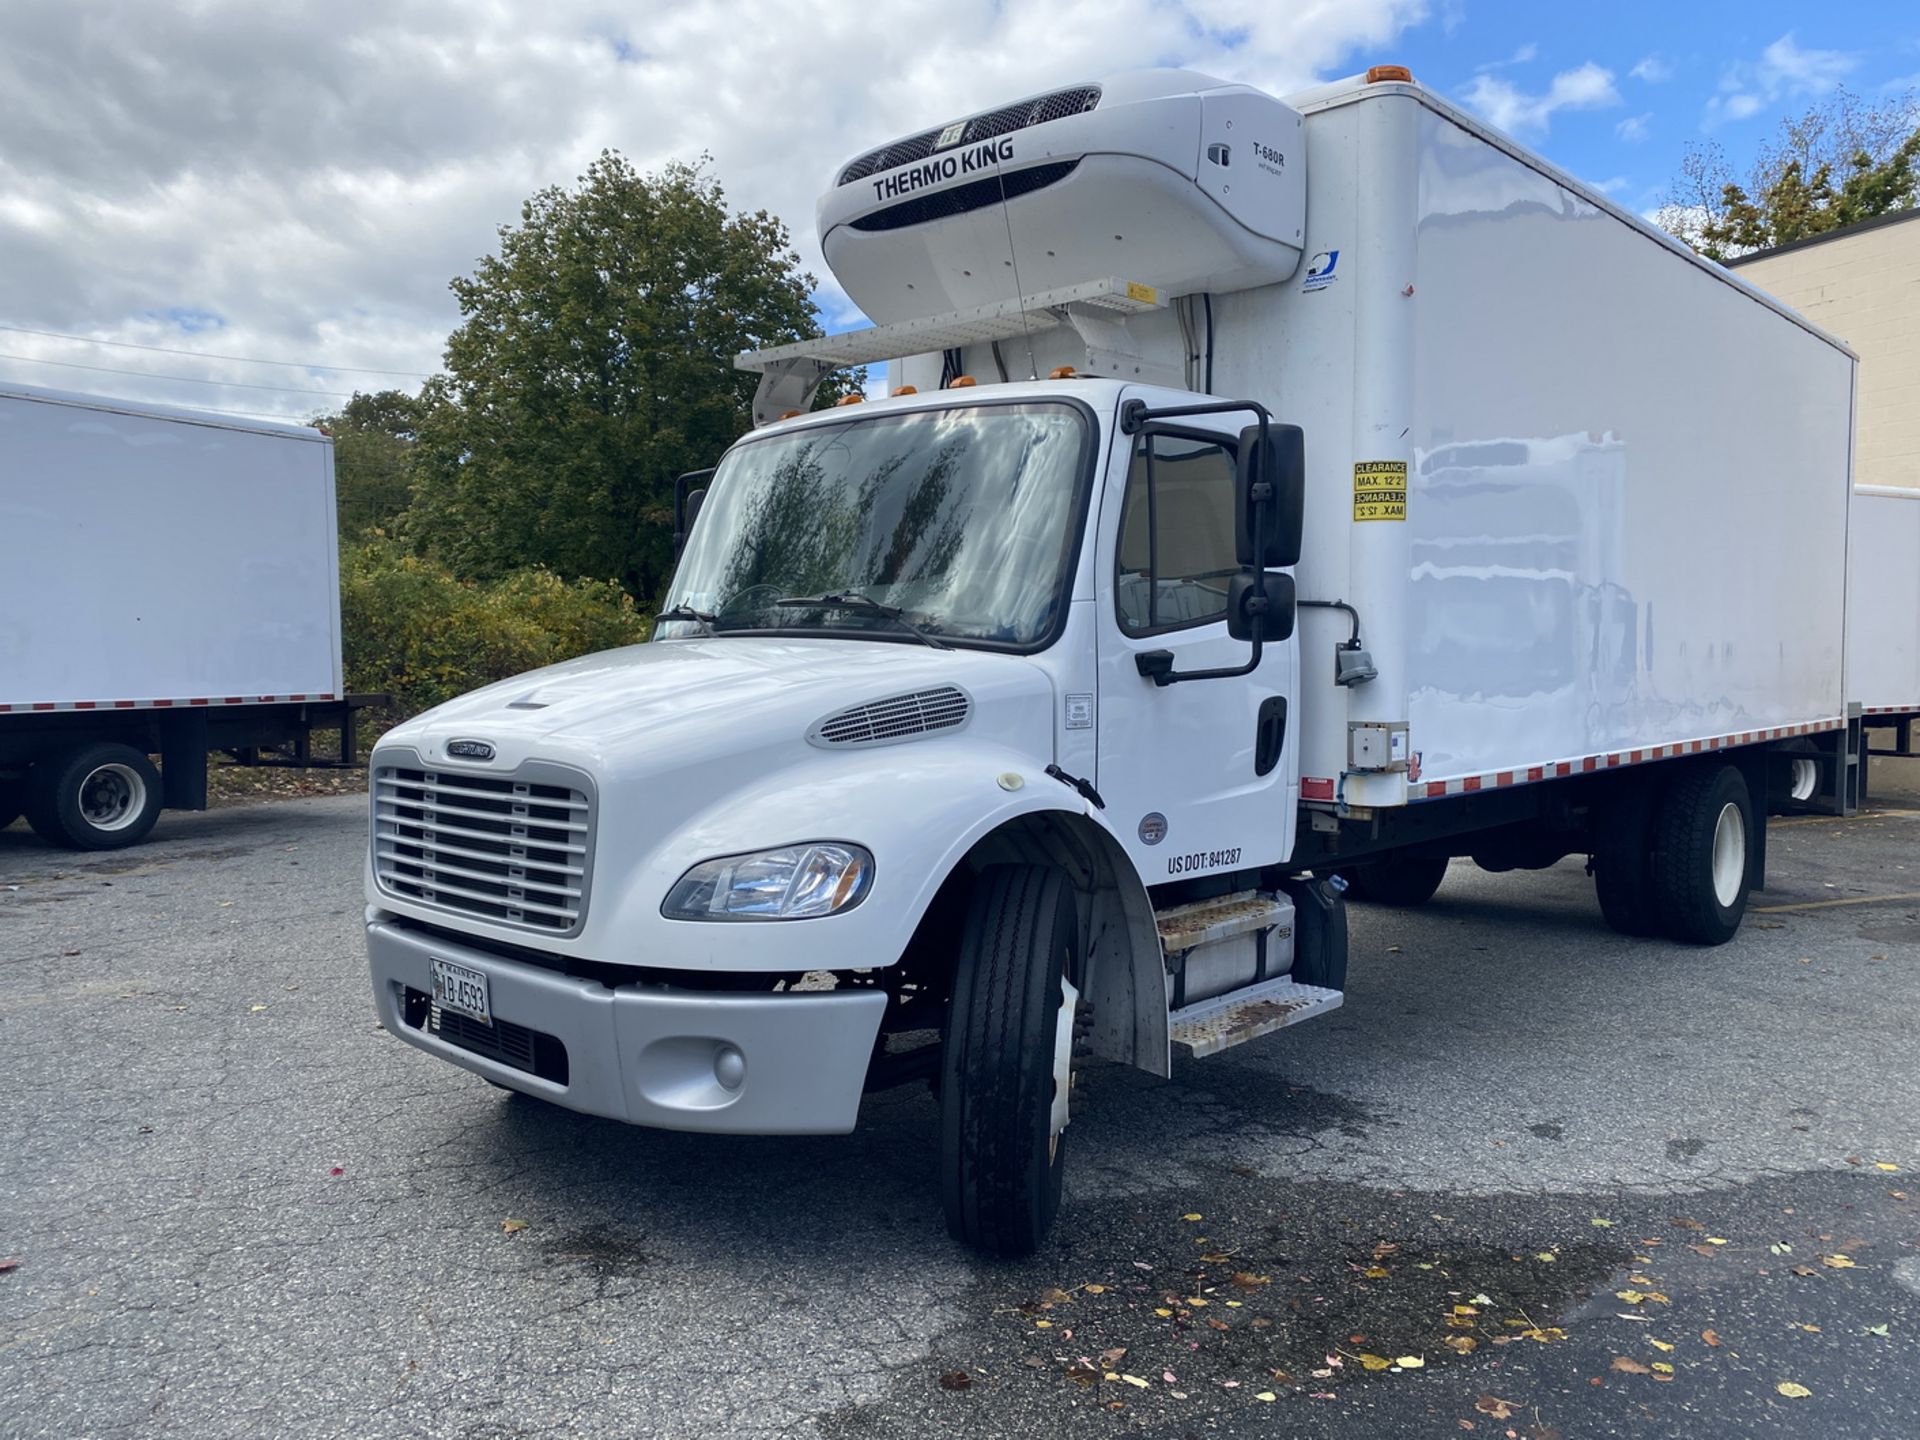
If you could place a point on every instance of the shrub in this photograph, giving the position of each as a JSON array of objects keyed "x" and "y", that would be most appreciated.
[{"x": 412, "y": 628}]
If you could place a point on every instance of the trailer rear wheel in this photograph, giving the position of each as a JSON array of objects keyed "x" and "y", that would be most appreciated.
[
  {"x": 1404, "y": 881},
  {"x": 94, "y": 797},
  {"x": 1701, "y": 855},
  {"x": 1623, "y": 861},
  {"x": 1006, "y": 1061}
]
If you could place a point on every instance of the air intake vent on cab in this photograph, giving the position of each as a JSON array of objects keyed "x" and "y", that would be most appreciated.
[
  {"x": 899, "y": 717},
  {"x": 1008, "y": 118}
]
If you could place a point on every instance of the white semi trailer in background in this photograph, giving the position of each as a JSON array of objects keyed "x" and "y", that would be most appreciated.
[
  {"x": 1271, "y": 495},
  {"x": 169, "y": 586}
]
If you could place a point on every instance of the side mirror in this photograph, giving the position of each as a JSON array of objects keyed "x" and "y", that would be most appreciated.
[
  {"x": 1281, "y": 463},
  {"x": 686, "y": 505},
  {"x": 1279, "y": 607}
]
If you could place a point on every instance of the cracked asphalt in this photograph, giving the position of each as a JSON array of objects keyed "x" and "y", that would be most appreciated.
[{"x": 238, "y": 1209}]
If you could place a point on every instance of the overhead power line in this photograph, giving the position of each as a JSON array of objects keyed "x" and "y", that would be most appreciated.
[
  {"x": 180, "y": 379},
  {"x": 209, "y": 355}
]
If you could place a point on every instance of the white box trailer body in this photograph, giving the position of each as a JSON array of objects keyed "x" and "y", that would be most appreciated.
[
  {"x": 915, "y": 724},
  {"x": 151, "y": 555},
  {"x": 1883, "y": 616},
  {"x": 169, "y": 584}
]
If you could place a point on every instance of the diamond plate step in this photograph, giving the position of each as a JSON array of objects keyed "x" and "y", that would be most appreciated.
[
  {"x": 1243, "y": 1015},
  {"x": 1201, "y": 923}
]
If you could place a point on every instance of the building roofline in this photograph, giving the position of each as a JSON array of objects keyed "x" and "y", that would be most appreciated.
[{"x": 1891, "y": 218}]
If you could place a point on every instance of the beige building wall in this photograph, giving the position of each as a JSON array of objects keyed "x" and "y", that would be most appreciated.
[{"x": 1863, "y": 285}]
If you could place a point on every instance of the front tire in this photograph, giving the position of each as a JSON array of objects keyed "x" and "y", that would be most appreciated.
[
  {"x": 1702, "y": 854},
  {"x": 1008, "y": 1038},
  {"x": 102, "y": 796}
]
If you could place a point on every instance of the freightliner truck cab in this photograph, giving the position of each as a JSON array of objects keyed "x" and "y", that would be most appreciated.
[{"x": 962, "y": 749}]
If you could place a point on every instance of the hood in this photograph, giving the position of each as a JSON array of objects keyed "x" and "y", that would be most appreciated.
[{"x": 676, "y": 701}]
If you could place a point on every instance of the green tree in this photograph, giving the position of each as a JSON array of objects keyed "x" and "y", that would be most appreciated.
[
  {"x": 373, "y": 440},
  {"x": 593, "y": 366},
  {"x": 1841, "y": 162}
]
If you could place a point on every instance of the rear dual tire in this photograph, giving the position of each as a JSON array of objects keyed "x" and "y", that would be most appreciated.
[
  {"x": 102, "y": 796},
  {"x": 1674, "y": 860}
]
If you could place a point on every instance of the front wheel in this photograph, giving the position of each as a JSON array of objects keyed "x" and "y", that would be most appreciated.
[
  {"x": 1006, "y": 1061},
  {"x": 94, "y": 797}
]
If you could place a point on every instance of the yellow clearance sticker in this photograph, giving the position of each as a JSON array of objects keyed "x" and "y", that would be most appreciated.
[
  {"x": 1145, "y": 294},
  {"x": 1379, "y": 490}
]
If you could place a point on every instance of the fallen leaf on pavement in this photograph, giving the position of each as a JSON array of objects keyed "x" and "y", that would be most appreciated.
[
  {"x": 1793, "y": 1390},
  {"x": 1411, "y": 1362},
  {"x": 1603, "y": 1224},
  {"x": 10, "y": 1262},
  {"x": 1706, "y": 1250},
  {"x": 1375, "y": 1362},
  {"x": 1496, "y": 1407},
  {"x": 1659, "y": 1344},
  {"x": 1096, "y": 1289},
  {"x": 1883, "y": 1165},
  {"x": 1628, "y": 1365},
  {"x": 1267, "y": 1395},
  {"x": 956, "y": 1380},
  {"x": 1193, "y": 1217},
  {"x": 1837, "y": 1262},
  {"x": 512, "y": 1227},
  {"x": 1711, "y": 1337},
  {"x": 1135, "y": 1381},
  {"x": 1461, "y": 1344},
  {"x": 1804, "y": 1270}
]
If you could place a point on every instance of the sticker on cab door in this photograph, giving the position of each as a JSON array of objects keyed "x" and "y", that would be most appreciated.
[{"x": 1379, "y": 490}]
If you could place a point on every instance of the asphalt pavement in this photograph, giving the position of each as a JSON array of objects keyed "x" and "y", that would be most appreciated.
[{"x": 1533, "y": 1180}]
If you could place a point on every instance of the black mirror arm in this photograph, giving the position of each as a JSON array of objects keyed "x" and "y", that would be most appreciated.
[{"x": 1157, "y": 665}]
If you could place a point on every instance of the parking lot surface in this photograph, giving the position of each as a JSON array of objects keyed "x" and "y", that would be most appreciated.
[{"x": 1533, "y": 1180}]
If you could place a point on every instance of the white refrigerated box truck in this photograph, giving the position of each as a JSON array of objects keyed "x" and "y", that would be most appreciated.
[
  {"x": 1274, "y": 500},
  {"x": 169, "y": 586},
  {"x": 1883, "y": 619}
]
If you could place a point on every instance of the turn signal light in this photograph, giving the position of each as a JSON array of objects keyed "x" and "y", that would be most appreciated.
[
  {"x": 848, "y": 400},
  {"x": 961, "y": 382},
  {"x": 906, "y": 389},
  {"x": 1377, "y": 73}
]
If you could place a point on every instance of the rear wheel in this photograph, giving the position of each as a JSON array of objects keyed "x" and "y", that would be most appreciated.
[
  {"x": 1006, "y": 1061},
  {"x": 102, "y": 796},
  {"x": 1404, "y": 881},
  {"x": 1701, "y": 849}
]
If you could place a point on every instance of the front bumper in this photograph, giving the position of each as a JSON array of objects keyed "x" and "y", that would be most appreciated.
[{"x": 645, "y": 1053}]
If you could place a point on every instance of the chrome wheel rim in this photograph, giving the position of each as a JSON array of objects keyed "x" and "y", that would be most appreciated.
[
  {"x": 112, "y": 796},
  {"x": 1062, "y": 1065},
  {"x": 1729, "y": 854}
]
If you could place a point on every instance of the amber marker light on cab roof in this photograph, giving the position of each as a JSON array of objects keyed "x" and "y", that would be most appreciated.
[
  {"x": 788, "y": 414},
  {"x": 906, "y": 389},
  {"x": 1378, "y": 73},
  {"x": 1061, "y": 372},
  {"x": 961, "y": 382},
  {"x": 848, "y": 400}
]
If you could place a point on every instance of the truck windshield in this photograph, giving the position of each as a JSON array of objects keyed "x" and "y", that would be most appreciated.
[{"x": 960, "y": 519}]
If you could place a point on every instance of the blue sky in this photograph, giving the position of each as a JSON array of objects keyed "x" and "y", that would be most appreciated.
[{"x": 1614, "y": 93}]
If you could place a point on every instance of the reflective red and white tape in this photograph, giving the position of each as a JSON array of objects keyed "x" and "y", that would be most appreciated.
[{"x": 41, "y": 706}]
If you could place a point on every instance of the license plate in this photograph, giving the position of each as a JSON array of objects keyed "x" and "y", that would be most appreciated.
[{"x": 455, "y": 987}]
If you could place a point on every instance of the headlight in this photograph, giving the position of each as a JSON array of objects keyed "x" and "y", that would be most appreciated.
[{"x": 797, "y": 882}]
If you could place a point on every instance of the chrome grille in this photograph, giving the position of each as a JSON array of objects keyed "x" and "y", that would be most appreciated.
[
  {"x": 516, "y": 849},
  {"x": 1004, "y": 121},
  {"x": 899, "y": 717}
]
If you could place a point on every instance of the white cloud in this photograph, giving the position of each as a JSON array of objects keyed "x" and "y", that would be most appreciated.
[
  {"x": 1635, "y": 128},
  {"x": 1525, "y": 55},
  {"x": 1783, "y": 71},
  {"x": 1505, "y": 105},
  {"x": 1653, "y": 70},
  {"x": 1610, "y": 187},
  {"x": 304, "y": 180}
]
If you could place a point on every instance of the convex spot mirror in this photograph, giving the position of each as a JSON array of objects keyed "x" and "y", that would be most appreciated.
[
  {"x": 1280, "y": 607},
  {"x": 1282, "y": 463}
]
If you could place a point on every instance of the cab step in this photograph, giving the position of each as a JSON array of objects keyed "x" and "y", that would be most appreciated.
[
  {"x": 1185, "y": 927},
  {"x": 1242, "y": 1015}
]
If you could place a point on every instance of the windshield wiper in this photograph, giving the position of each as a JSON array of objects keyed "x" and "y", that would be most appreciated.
[
  {"x": 854, "y": 600},
  {"x": 686, "y": 612}
]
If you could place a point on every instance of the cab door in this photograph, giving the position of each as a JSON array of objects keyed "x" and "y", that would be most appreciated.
[{"x": 1199, "y": 777}]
